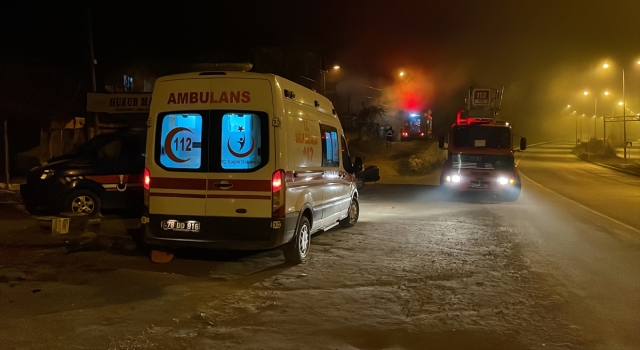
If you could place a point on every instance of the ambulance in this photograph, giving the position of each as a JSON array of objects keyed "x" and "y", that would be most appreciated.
[{"x": 247, "y": 161}]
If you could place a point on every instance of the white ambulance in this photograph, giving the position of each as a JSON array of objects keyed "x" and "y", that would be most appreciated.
[{"x": 241, "y": 160}]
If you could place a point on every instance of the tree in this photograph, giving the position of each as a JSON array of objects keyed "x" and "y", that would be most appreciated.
[{"x": 367, "y": 119}]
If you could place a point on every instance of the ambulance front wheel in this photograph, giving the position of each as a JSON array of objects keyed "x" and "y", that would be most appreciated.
[
  {"x": 353, "y": 215},
  {"x": 296, "y": 251}
]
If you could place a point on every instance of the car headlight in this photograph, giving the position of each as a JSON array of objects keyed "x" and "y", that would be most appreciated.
[
  {"x": 504, "y": 181},
  {"x": 46, "y": 174},
  {"x": 455, "y": 178}
]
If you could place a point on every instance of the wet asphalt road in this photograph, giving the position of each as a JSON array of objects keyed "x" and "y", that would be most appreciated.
[{"x": 419, "y": 271}]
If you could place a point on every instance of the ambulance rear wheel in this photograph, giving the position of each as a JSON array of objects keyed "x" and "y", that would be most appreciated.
[
  {"x": 296, "y": 251},
  {"x": 354, "y": 214}
]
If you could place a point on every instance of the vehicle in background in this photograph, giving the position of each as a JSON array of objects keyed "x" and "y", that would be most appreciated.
[
  {"x": 480, "y": 155},
  {"x": 240, "y": 160},
  {"x": 370, "y": 173},
  {"x": 103, "y": 173},
  {"x": 416, "y": 126}
]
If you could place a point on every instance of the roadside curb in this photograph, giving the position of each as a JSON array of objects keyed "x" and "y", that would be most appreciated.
[{"x": 630, "y": 172}]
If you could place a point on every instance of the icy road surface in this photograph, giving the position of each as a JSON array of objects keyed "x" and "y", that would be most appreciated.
[{"x": 419, "y": 271}]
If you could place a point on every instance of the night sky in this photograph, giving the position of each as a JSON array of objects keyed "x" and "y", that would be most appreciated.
[{"x": 545, "y": 52}]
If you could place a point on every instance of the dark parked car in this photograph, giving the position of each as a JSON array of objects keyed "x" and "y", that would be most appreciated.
[
  {"x": 106, "y": 172},
  {"x": 371, "y": 173}
]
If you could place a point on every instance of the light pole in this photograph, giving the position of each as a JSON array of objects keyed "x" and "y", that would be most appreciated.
[
  {"x": 324, "y": 79},
  {"x": 574, "y": 112},
  {"x": 624, "y": 112}
]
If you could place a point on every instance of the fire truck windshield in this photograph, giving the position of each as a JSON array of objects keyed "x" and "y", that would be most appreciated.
[{"x": 482, "y": 136}]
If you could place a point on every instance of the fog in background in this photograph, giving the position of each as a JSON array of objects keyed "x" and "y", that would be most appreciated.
[{"x": 544, "y": 52}]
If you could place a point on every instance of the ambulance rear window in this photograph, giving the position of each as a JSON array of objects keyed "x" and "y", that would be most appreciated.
[
  {"x": 181, "y": 141},
  {"x": 214, "y": 141},
  {"x": 241, "y": 141}
]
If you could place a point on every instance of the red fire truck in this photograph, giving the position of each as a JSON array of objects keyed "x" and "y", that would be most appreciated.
[
  {"x": 416, "y": 126},
  {"x": 480, "y": 155}
]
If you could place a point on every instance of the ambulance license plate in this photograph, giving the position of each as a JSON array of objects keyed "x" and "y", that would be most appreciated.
[{"x": 181, "y": 226}]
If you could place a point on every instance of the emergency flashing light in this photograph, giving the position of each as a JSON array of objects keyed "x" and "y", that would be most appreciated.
[{"x": 414, "y": 115}]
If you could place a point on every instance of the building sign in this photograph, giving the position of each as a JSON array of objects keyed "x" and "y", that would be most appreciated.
[{"x": 119, "y": 103}]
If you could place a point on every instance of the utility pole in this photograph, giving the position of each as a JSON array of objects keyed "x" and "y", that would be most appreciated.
[
  {"x": 96, "y": 119},
  {"x": 6, "y": 154},
  {"x": 595, "y": 117},
  {"x": 624, "y": 119}
]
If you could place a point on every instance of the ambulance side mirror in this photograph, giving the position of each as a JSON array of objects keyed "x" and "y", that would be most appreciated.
[
  {"x": 357, "y": 165},
  {"x": 523, "y": 143}
]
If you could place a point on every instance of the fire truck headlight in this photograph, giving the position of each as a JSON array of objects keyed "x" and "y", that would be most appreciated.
[
  {"x": 503, "y": 180},
  {"x": 455, "y": 178}
]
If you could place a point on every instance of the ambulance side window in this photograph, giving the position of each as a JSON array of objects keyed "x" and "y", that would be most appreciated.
[
  {"x": 330, "y": 150},
  {"x": 346, "y": 157}
]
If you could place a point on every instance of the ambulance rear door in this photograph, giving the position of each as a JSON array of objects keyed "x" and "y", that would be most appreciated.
[{"x": 241, "y": 157}]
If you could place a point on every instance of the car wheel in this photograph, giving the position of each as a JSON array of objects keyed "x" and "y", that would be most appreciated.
[
  {"x": 359, "y": 183},
  {"x": 83, "y": 202},
  {"x": 297, "y": 250},
  {"x": 353, "y": 215}
]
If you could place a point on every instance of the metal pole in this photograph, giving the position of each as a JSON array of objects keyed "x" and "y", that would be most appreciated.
[
  {"x": 580, "y": 130},
  {"x": 624, "y": 118},
  {"x": 576, "y": 129},
  {"x": 93, "y": 69},
  {"x": 595, "y": 116},
  {"x": 6, "y": 154},
  {"x": 604, "y": 130},
  {"x": 324, "y": 85}
]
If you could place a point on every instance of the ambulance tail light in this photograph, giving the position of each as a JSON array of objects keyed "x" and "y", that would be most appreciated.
[
  {"x": 278, "y": 194},
  {"x": 146, "y": 182},
  {"x": 147, "y": 179}
]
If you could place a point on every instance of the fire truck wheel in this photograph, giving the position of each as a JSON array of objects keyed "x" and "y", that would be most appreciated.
[
  {"x": 296, "y": 251},
  {"x": 513, "y": 195},
  {"x": 354, "y": 214}
]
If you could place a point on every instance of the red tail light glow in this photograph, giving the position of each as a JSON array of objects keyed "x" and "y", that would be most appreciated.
[
  {"x": 278, "y": 195},
  {"x": 147, "y": 179},
  {"x": 276, "y": 181}
]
